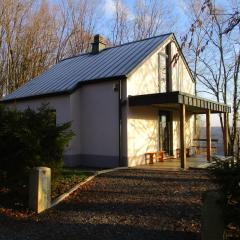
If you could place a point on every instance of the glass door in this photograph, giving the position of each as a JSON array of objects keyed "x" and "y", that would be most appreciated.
[{"x": 165, "y": 132}]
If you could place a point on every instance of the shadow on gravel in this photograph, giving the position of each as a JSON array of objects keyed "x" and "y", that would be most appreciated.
[
  {"x": 54, "y": 230},
  {"x": 176, "y": 210},
  {"x": 117, "y": 232},
  {"x": 123, "y": 205},
  {"x": 139, "y": 193}
]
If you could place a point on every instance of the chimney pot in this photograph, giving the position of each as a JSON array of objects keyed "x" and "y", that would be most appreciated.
[{"x": 98, "y": 44}]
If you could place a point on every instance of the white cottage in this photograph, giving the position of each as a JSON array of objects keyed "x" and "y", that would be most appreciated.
[{"x": 123, "y": 101}]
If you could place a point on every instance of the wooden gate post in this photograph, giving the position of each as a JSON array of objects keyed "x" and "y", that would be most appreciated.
[{"x": 40, "y": 189}]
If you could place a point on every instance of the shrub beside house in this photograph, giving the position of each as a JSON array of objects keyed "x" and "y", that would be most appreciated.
[
  {"x": 28, "y": 139},
  {"x": 31, "y": 138}
]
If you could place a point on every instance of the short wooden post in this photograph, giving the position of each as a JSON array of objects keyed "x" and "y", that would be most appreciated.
[
  {"x": 225, "y": 137},
  {"x": 212, "y": 216},
  {"x": 208, "y": 134},
  {"x": 40, "y": 189},
  {"x": 182, "y": 135}
]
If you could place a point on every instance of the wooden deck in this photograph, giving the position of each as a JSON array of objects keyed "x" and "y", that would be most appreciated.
[{"x": 198, "y": 162}]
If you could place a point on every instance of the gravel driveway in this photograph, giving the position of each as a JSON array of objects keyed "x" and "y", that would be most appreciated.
[{"x": 126, "y": 204}]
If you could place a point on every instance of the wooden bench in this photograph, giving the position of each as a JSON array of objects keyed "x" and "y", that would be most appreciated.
[
  {"x": 151, "y": 156},
  {"x": 203, "y": 150}
]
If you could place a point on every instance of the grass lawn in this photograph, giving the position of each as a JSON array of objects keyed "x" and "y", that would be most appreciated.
[
  {"x": 68, "y": 178},
  {"x": 14, "y": 199}
]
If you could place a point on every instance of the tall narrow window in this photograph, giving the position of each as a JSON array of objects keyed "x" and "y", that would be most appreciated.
[
  {"x": 165, "y": 132},
  {"x": 162, "y": 72}
]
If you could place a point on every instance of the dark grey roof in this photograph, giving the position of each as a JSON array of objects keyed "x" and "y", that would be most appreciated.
[{"x": 111, "y": 62}]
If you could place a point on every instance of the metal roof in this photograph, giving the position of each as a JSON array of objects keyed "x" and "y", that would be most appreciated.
[{"x": 111, "y": 62}]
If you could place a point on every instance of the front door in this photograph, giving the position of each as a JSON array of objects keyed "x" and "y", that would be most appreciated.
[{"x": 165, "y": 132}]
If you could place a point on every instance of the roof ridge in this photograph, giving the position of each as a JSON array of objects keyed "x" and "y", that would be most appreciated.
[
  {"x": 120, "y": 45},
  {"x": 140, "y": 40},
  {"x": 74, "y": 56}
]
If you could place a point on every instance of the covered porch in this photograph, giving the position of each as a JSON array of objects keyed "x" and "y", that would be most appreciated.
[
  {"x": 186, "y": 104},
  {"x": 194, "y": 162}
]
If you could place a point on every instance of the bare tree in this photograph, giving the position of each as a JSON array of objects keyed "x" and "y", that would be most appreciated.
[
  {"x": 194, "y": 47},
  {"x": 120, "y": 30},
  {"x": 151, "y": 18},
  {"x": 77, "y": 23},
  {"x": 148, "y": 18},
  {"x": 216, "y": 62},
  {"x": 235, "y": 106},
  {"x": 27, "y": 42},
  {"x": 34, "y": 35}
]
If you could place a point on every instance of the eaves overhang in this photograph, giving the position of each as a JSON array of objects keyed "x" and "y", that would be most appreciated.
[
  {"x": 61, "y": 93},
  {"x": 172, "y": 100}
]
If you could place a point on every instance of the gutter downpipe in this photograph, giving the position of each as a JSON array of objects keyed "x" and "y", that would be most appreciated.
[{"x": 120, "y": 122}]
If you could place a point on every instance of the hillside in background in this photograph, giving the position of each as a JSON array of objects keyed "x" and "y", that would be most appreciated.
[{"x": 216, "y": 134}]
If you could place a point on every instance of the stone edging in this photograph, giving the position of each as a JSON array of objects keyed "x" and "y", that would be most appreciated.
[{"x": 65, "y": 195}]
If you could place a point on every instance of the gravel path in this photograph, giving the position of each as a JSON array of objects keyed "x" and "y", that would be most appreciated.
[{"x": 126, "y": 204}]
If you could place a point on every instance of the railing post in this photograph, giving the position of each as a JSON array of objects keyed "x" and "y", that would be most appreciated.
[
  {"x": 225, "y": 137},
  {"x": 208, "y": 134}
]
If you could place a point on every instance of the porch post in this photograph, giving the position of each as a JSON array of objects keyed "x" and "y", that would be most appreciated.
[
  {"x": 182, "y": 136},
  {"x": 208, "y": 134},
  {"x": 225, "y": 137}
]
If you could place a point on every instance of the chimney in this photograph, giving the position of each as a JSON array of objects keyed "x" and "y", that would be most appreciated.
[{"x": 98, "y": 44}]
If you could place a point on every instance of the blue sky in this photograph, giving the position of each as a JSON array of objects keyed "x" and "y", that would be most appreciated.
[
  {"x": 176, "y": 6},
  {"x": 178, "y": 11}
]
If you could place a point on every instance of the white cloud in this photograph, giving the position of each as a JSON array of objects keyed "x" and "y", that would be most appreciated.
[{"x": 109, "y": 8}]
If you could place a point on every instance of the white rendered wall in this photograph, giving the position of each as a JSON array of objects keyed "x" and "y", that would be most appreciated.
[
  {"x": 181, "y": 79},
  {"x": 144, "y": 80},
  {"x": 95, "y": 122},
  {"x": 99, "y": 119},
  {"x": 75, "y": 112},
  {"x": 142, "y": 133},
  {"x": 142, "y": 123}
]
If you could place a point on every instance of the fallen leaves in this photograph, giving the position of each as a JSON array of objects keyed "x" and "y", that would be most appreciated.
[{"x": 12, "y": 213}]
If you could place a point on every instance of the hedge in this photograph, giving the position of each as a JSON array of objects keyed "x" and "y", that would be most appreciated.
[{"x": 30, "y": 138}]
